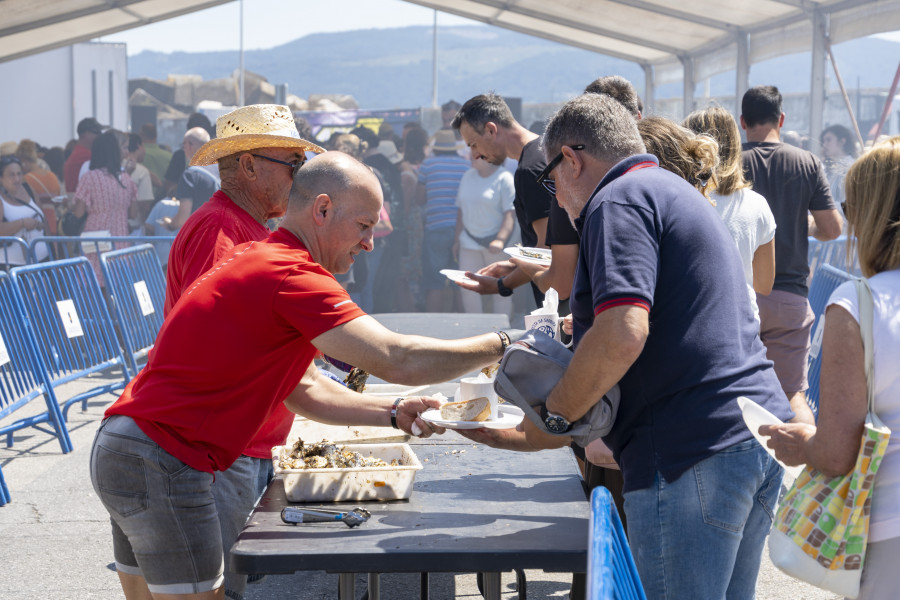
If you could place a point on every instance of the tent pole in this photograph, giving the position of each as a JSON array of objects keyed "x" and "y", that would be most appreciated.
[
  {"x": 887, "y": 105},
  {"x": 837, "y": 75},
  {"x": 817, "y": 79}
]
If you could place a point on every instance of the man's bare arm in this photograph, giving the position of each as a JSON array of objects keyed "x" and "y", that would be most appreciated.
[
  {"x": 407, "y": 359},
  {"x": 825, "y": 225},
  {"x": 561, "y": 273},
  {"x": 327, "y": 401},
  {"x": 604, "y": 355}
]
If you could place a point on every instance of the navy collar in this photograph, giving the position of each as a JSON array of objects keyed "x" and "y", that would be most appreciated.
[{"x": 619, "y": 169}]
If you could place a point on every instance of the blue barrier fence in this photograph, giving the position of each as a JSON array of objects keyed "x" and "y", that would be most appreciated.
[
  {"x": 21, "y": 372},
  {"x": 612, "y": 574},
  {"x": 14, "y": 251},
  {"x": 825, "y": 280},
  {"x": 61, "y": 246},
  {"x": 137, "y": 288},
  {"x": 73, "y": 329}
]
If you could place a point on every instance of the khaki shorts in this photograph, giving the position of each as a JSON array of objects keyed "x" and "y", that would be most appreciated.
[{"x": 785, "y": 323}]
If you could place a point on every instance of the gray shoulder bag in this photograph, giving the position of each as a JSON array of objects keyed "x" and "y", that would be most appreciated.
[{"x": 531, "y": 368}]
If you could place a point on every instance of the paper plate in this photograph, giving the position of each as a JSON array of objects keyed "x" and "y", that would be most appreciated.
[
  {"x": 517, "y": 251},
  {"x": 456, "y": 276},
  {"x": 755, "y": 416},
  {"x": 510, "y": 416}
]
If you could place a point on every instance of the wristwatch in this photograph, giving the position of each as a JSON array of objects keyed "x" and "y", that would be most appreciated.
[
  {"x": 554, "y": 423},
  {"x": 502, "y": 289}
]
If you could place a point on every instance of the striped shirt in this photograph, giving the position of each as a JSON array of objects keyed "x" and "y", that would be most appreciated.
[{"x": 440, "y": 175}]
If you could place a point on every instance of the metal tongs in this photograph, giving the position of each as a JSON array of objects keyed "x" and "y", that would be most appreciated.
[{"x": 296, "y": 514}]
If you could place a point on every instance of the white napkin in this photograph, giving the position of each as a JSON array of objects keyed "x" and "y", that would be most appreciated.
[{"x": 551, "y": 304}]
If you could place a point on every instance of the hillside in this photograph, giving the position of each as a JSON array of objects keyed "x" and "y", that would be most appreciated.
[{"x": 391, "y": 68}]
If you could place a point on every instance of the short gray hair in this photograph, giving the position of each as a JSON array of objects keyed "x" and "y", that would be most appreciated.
[{"x": 603, "y": 125}]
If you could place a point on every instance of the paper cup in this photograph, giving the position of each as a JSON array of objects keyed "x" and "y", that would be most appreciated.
[
  {"x": 546, "y": 323},
  {"x": 474, "y": 387}
]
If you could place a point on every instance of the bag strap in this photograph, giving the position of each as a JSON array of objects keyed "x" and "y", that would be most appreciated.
[{"x": 866, "y": 320}]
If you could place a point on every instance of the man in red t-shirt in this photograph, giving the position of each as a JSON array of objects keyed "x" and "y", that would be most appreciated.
[
  {"x": 88, "y": 130},
  {"x": 239, "y": 343},
  {"x": 255, "y": 186}
]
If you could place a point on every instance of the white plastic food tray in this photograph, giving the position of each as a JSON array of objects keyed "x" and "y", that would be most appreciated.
[{"x": 337, "y": 485}]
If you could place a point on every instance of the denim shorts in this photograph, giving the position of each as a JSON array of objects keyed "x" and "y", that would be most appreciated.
[{"x": 164, "y": 520}]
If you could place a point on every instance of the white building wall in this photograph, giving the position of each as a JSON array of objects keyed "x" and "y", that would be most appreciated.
[{"x": 47, "y": 94}]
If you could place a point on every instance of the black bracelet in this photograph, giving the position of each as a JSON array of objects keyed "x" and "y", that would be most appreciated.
[
  {"x": 502, "y": 289},
  {"x": 394, "y": 413},
  {"x": 504, "y": 340}
]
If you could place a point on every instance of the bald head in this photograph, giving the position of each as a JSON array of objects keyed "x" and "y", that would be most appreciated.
[
  {"x": 331, "y": 173},
  {"x": 334, "y": 206}
]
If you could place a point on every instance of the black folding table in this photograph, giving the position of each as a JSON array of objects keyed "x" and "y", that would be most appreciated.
[{"x": 473, "y": 509}]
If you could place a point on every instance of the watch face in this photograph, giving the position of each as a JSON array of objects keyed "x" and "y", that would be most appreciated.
[{"x": 556, "y": 424}]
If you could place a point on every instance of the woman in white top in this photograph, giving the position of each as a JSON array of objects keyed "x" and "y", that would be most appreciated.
[
  {"x": 746, "y": 214},
  {"x": 20, "y": 216},
  {"x": 873, "y": 215},
  {"x": 484, "y": 222}
]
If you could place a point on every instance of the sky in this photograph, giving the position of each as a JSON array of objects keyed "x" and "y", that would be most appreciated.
[{"x": 269, "y": 23}]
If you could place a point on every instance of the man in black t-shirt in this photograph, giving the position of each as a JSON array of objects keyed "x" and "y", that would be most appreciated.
[
  {"x": 793, "y": 182},
  {"x": 490, "y": 131}
]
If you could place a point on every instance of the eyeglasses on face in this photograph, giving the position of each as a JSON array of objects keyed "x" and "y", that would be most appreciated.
[
  {"x": 294, "y": 165},
  {"x": 543, "y": 178}
]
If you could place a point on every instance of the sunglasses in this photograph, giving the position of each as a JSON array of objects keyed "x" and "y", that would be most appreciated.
[
  {"x": 294, "y": 165},
  {"x": 543, "y": 178}
]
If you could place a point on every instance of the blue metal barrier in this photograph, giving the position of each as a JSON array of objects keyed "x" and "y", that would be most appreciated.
[
  {"x": 4, "y": 491},
  {"x": 832, "y": 253},
  {"x": 612, "y": 574},
  {"x": 73, "y": 330},
  {"x": 824, "y": 282},
  {"x": 14, "y": 249},
  {"x": 22, "y": 378},
  {"x": 137, "y": 287},
  {"x": 63, "y": 246}
]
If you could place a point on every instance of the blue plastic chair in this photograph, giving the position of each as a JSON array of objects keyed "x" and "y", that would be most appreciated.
[
  {"x": 825, "y": 281},
  {"x": 137, "y": 288},
  {"x": 74, "y": 333},
  {"x": 612, "y": 574}
]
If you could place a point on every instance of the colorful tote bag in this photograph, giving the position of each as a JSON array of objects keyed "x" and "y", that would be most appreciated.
[{"x": 822, "y": 524}]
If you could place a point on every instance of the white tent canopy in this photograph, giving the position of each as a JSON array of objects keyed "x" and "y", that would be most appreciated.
[{"x": 688, "y": 41}]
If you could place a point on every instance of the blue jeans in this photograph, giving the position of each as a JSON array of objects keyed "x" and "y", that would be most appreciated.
[{"x": 702, "y": 535}]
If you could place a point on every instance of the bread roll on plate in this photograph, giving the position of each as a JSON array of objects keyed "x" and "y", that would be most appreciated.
[{"x": 476, "y": 409}]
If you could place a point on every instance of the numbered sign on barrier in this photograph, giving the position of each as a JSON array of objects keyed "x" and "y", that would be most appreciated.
[
  {"x": 4, "y": 353},
  {"x": 70, "y": 320},
  {"x": 143, "y": 298}
]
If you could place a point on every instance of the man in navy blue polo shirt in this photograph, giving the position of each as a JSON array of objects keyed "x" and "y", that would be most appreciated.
[{"x": 660, "y": 307}]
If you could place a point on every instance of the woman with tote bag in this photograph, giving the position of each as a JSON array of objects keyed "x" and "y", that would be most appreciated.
[{"x": 873, "y": 214}]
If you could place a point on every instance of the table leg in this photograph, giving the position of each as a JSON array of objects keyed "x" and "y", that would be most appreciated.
[
  {"x": 423, "y": 586},
  {"x": 491, "y": 586},
  {"x": 347, "y": 586},
  {"x": 374, "y": 586}
]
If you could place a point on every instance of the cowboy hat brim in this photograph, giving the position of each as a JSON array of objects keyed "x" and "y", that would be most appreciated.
[{"x": 213, "y": 150}]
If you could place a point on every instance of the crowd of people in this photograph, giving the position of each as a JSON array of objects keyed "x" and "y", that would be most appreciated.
[{"x": 678, "y": 253}]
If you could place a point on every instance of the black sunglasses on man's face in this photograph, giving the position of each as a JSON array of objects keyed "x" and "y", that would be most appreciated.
[
  {"x": 294, "y": 165},
  {"x": 549, "y": 184}
]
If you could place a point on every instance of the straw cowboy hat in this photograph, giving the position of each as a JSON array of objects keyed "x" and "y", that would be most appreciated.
[
  {"x": 252, "y": 127},
  {"x": 444, "y": 141}
]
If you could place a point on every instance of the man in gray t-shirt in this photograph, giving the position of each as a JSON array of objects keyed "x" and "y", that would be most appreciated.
[{"x": 793, "y": 181}]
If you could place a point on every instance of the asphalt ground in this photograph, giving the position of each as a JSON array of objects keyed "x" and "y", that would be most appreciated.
[{"x": 56, "y": 542}]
